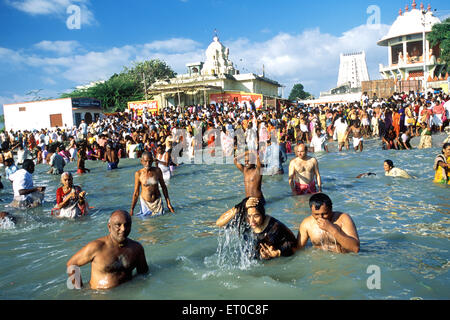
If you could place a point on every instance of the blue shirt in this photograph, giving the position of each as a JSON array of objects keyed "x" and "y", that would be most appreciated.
[{"x": 10, "y": 170}]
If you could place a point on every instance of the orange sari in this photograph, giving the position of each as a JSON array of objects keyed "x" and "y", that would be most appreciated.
[{"x": 396, "y": 122}]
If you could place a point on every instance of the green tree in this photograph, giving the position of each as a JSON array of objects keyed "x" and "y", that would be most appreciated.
[
  {"x": 440, "y": 34},
  {"x": 298, "y": 93},
  {"x": 128, "y": 85}
]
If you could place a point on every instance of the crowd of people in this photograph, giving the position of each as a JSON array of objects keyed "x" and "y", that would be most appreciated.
[{"x": 263, "y": 138}]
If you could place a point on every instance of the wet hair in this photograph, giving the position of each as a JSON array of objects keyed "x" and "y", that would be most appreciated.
[
  {"x": 320, "y": 199},
  {"x": 390, "y": 163},
  {"x": 259, "y": 207},
  {"x": 240, "y": 219}
]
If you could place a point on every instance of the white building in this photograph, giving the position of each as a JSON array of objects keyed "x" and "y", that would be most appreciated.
[
  {"x": 214, "y": 79},
  {"x": 50, "y": 113},
  {"x": 353, "y": 69},
  {"x": 410, "y": 56}
]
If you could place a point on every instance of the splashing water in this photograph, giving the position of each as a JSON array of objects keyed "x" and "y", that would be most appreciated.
[
  {"x": 235, "y": 250},
  {"x": 7, "y": 223}
]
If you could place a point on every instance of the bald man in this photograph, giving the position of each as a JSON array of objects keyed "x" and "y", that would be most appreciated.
[
  {"x": 302, "y": 172},
  {"x": 113, "y": 257}
]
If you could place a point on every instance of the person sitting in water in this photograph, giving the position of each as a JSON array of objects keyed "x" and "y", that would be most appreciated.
[
  {"x": 70, "y": 200},
  {"x": 328, "y": 230},
  {"x": 148, "y": 178},
  {"x": 390, "y": 140},
  {"x": 391, "y": 171},
  {"x": 113, "y": 257},
  {"x": 272, "y": 238},
  {"x": 441, "y": 165},
  {"x": 25, "y": 194},
  {"x": 302, "y": 171}
]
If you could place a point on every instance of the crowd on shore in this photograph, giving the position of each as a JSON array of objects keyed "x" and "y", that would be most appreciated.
[{"x": 394, "y": 121}]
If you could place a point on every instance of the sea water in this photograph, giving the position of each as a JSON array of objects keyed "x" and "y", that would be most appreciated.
[{"x": 403, "y": 227}]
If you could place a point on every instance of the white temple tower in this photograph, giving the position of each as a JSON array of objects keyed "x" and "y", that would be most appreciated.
[
  {"x": 353, "y": 69},
  {"x": 217, "y": 61}
]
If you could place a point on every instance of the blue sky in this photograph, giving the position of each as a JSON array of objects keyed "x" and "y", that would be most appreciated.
[{"x": 296, "y": 40}]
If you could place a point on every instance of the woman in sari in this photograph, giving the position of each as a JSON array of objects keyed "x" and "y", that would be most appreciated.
[
  {"x": 441, "y": 165},
  {"x": 70, "y": 200}
]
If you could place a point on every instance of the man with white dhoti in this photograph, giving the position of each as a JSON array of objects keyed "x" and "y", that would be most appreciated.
[{"x": 149, "y": 178}]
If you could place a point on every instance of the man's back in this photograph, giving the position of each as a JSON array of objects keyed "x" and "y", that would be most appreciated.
[{"x": 21, "y": 179}]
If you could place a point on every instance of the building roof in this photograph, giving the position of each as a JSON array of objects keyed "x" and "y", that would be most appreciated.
[{"x": 410, "y": 22}]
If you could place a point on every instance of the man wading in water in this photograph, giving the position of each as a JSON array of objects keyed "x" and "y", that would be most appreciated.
[
  {"x": 328, "y": 230},
  {"x": 148, "y": 178},
  {"x": 252, "y": 175},
  {"x": 113, "y": 257}
]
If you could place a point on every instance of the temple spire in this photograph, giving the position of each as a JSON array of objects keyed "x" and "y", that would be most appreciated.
[
  {"x": 414, "y": 4},
  {"x": 406, "y": 8},
  {"x": 400, "y": 12}
]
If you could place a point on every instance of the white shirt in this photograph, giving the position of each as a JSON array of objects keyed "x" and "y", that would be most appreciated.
[
  {"x": 21, "y": 179},
  {"x": 318, "y": 143}
]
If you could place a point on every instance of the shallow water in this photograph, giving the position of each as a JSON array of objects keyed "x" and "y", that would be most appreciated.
[{"x": 403, "y": 227}]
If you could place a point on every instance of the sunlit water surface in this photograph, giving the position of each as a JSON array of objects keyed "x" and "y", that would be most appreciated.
[{"x": 403, "y": 227}]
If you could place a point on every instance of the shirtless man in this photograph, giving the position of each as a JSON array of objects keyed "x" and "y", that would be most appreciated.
[
  {"x": 302, "y": 171},
  {"x": 252, "y": 174},
  {"x": 357, "y": 135},
  {"x": 113, "y": 257},
  {"x": 111, "y": 157},
  {"x": 327, "y": 229},
  {"x": 148, "y": 178}
]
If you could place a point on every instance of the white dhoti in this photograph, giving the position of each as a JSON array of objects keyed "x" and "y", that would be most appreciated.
[
  {"x": 357, "y": 141},
  {"x": 151, "y": 209}
]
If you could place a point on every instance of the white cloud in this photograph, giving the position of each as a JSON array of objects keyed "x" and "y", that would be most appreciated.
[
  {"x": 310, "y": 58},
  {"x": 59, "y": 47},
  {"x": 54, "y": 7}
]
